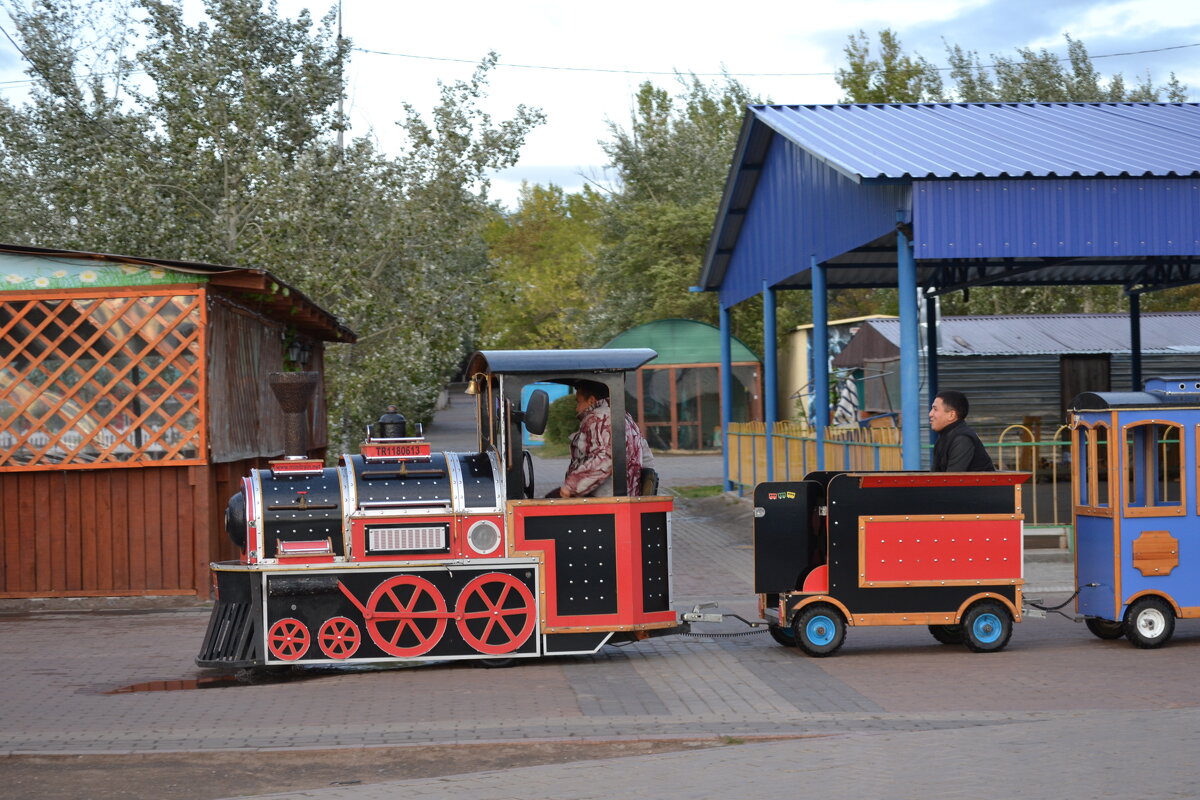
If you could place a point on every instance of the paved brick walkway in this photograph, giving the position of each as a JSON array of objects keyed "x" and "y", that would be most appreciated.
[{"x": 1058, "y": 714}]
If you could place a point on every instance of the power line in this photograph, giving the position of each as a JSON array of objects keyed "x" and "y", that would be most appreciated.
[{"x": 723, "y": 74}]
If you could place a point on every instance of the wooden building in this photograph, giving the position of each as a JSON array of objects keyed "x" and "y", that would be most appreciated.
[{"x": 133, "y": 398}]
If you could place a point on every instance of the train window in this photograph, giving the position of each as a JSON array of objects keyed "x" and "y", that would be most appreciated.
[
  {"x": 1101, "y": 461},
  {"x": 1083, "y": 460},
  {"x": 1154, "y": 480}
]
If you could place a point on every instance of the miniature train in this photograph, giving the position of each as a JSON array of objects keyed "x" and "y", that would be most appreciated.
[
  {"x": 402, "y": 553},
  {"x": 374, "y": 559}
]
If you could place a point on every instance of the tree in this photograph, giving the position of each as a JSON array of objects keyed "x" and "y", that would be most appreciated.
[
  {"x": 543, "y": 256},
  {"x": 226, "y": 152},
  {"x": 892, "y": 78},
  {"x": 672, "y": 161}
]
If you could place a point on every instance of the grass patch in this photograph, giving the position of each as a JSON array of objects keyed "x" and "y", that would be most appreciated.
[
  {"x": 697, "y": 491},
  {"x": 552, "y": 450}
]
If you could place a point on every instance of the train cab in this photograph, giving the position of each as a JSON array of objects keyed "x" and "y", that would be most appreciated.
[
  {"x": 1135, "y": 509},
  {"x": 401, "y": 552}
]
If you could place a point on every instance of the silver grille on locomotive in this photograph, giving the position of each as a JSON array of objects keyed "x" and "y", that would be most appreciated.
[{"x": 407, "y": 538}]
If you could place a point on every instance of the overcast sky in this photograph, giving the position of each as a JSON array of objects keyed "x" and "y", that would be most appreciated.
[{"x": 596, "y": 54}]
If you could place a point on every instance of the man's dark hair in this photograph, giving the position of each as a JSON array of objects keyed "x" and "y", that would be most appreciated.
[
  {"x": 592, "y": 389},
  {"x": 956, "y": 401}
]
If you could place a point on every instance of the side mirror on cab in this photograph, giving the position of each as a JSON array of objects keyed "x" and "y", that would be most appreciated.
[{"x": 537, "y": 412}]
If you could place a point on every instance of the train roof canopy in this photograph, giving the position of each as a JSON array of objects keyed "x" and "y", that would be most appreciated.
[
  {"x": 1164, "y": 391},
  {"x": 551, "y": 362}
]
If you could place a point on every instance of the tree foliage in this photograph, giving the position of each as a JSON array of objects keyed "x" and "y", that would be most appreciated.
[
  {"x": 224, "y": 149},
  {"x": 542, "y": 255}
]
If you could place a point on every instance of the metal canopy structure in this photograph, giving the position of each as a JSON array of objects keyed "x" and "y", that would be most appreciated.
[{"x": 936, "y": 198}]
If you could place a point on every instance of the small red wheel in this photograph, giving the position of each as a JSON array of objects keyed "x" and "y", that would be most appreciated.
[
  {"x": 496, "y": 613},
  {"x": 339, "y": 638},
  {"x": 288, "y": 639},
  {"x": 406, "y": 616}
]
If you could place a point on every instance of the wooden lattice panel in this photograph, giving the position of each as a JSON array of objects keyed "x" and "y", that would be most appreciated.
[{"x": 112, "y": 380}]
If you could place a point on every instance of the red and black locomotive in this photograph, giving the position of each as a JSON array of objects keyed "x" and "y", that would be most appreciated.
[{"x": 400, "y": 552}]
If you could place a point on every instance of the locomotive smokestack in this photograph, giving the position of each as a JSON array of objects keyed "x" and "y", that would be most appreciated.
[{"x": 294, "y": 390}]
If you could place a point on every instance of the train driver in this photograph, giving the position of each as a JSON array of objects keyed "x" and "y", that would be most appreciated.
[
  {"x": 958, "y": 448},
  {"x": 590, "y": 471}
]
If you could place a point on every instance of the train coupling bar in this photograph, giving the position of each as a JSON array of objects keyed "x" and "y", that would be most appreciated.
[{"x": 697, "y": 615}]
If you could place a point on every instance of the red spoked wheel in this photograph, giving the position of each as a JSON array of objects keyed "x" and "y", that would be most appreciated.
[
  {"x": 406, "y": 616},
  {"x": 496, "y": 613},
  {"x": 339, "y": 638},
  {"x": 288, "y": 639}
]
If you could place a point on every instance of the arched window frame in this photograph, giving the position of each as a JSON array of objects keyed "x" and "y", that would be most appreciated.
[
  {"x": 1152, "y": 506},
  {"x": 1091, "y": 460}
]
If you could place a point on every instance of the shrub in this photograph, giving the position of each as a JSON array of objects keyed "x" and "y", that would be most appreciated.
[{"x": 562, "y": 421}]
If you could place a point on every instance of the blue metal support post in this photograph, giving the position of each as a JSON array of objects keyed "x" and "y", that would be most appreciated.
[
  {"x": 910, "y": 337},
  {"x": 726, "y": 390},
  {"x": 770, "y": 375},
  {"x": 820, "y": 358},
  {"x": 931, "y": 354},
  {"x": 1135, "y": 341}
]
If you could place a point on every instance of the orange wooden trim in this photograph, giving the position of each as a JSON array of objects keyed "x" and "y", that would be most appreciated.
[
  {"x": 905, "y": 619},
  {"x": 1013, "y": 608},
  {"x": 181, "y": 462},
  {"x": 85, "y": 377},
  {"x": 1149, "y": 593},
  {"x": 1189, "y": 612},
  {"x": 1088, "y": 511},
  {"x": 203, "y": 360},
  {"x": 1128, "y": 480},
  {"x": 16, "y": 318},
  {"x": 137, "y": 323},
  {"x": 119, "y": 406},
  {"x": 51, "y": 315},
  {"x": 86, "y": 344},
  {"x": 819, "y": 598},
  {"x": 1155, "y": 553},
  {"x": 108, "y": 293},
  {"x": 933, "y": 517},
  {"x": 1156, "y": 511}
]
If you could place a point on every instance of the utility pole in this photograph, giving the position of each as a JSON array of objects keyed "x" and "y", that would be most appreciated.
[{"x": 341, "y": 86}]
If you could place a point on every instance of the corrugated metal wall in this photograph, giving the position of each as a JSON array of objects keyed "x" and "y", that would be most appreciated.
[
  {"x": 783, "y": 228},
  {"x": 1005, "y": 389},
  {"x": 1056, "y": 217}
]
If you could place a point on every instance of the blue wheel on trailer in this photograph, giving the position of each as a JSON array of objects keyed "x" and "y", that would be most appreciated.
[
  {"x": 819, "y": 629},
  {"x": 987, "y": 626}
]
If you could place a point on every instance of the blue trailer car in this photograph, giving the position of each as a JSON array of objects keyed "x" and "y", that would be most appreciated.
[{"x": 1136, "y": 507}]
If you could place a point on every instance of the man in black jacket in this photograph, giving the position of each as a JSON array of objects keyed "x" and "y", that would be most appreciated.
[{"x": 958, "y": 448}]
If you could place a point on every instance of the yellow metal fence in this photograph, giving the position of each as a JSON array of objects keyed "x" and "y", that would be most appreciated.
[{"x": 1017, "y": 448}]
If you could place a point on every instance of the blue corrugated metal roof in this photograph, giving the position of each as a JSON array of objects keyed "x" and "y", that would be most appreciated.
[
  {"x": 1039, "y": 334},
  {"x": 947, "y": 140},
  {"x": 1029, "y": 193}
]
